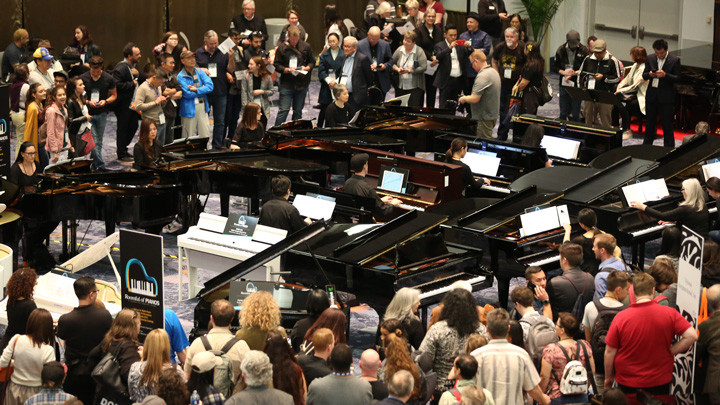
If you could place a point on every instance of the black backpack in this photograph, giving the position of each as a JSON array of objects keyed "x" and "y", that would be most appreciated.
[
  {"x": 599, "y": 333},
  {"x": 545, "y": 93},
  {"x": 580, "y": 302}
]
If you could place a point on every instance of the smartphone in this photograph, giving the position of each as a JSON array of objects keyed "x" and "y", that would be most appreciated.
[{"x": 532, "y": 286}]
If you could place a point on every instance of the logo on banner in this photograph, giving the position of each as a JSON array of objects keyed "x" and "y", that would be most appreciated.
[{"x": 140, "y": 282}]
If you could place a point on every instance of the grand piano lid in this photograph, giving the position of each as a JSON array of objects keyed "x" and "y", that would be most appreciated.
[
  {"x": 69, "y": 166},
  {"x": 261, "y": 258},
  {"x": 605, "y": 181},
  {"x": 646, "y": 152},
  {"x": 137, "y": 179},
  {"x": 554, "y": 179},
  {"x": 686, "y": 156},
  {"x": 253, "y": 161}
]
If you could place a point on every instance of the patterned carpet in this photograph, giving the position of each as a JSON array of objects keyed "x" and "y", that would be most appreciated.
[{"x": 363, "y": 320}]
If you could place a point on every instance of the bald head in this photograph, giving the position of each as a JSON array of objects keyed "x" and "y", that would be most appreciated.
[
  {"x": 369, "y": 362},
  {"x": 713, "y": 297},
  {"x": 373, "y": 35}
]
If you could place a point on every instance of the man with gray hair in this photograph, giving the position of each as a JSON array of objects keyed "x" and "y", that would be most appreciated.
[
  {"x": 249, "y": 22},
  {"x": 708, "y": 346},
  {"x": 257, "y": 372},
  {"x": 341, "y": 387},
  {"x": 702, "y": 128},
  {"x": 400, "y": 388},
  {"x": 217, "y": 66},
  {"x": 508, "y": 59},
  {"x": 356, "y": 74}
]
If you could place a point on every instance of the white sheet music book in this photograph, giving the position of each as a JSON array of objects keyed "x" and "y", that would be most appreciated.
[
  {"x": 561, "y": 147},
  {"x": 403, "y": 100},
  {"x": 711, "y": 170},
  {"x": 314, "y": 208},
  {"x": 267, "y": 234},
  {"x": 544, "y": 220},
  {"x": 212, "y": 223},
  {"x": 482, "y": 164},
  {"x": 651, "y": 190}
]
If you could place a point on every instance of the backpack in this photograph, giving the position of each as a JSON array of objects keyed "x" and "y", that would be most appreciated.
[
  {"x": 580, "y": 302},
  {"x": 599, "y": 332},
  {"x": 541, "y": 334},
  {"x": 546, "y": 92},
  {"x": 575, "y": 379},
  {"x": 457, "y": 394},
  {"x": 224, "y": 378}
]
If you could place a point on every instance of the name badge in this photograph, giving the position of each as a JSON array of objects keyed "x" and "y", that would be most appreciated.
[
  {"x": 161, "y": 118},
  {"x": 331, "y": 75},
  {"x": 491, "y": 8},
  {"x": 212, "y": 67},
  {"x": 95, "y": 96},
  {"x": 655, "y": 82},
  {"x": 591, "y": 83},
  {"x": 344, "y": 80},
  {"x": 567, "y": 83},
  {"x": 238, "y": 75},
  {"x": 374, "y": 61},
  {"x": 174, "y": 103},
  {"x": 507, "y": 73},
  {"x": 293, "y": 62}
]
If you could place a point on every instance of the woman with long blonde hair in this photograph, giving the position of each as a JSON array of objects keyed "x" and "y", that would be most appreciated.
[
  {"x": 259, "y": 315},
  {"x": 143, "y": 376}
]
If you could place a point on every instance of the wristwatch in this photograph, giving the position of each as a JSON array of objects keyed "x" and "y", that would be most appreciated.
[{"x": 546, "y": 302}]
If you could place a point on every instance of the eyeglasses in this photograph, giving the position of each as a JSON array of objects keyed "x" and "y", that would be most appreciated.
[{"x": 30, "y": 153}]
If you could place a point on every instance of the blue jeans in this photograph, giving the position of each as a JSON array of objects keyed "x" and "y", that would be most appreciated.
[
  {"x": 218, "y": 104},
  {"x": 98, "y": 130},
  {"x": 569, "y": 108},
  {"x": 161, "y": 133},
  {"x": 289, "y": 97}
]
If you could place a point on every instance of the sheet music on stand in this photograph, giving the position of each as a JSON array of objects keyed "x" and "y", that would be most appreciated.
[
  {"x": 561, "y": 147},
  {"x": 482, "y": 164},
  {"x": 543, "y": 220},
  {"x": 711, "y": 170},
  {"x": 314, "y": 208},
  {"x": 650, "y": 190}
]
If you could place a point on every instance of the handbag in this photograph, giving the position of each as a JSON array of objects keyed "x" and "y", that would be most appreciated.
[
  {"x": 89, "y": 142},
  {"x": 107, "y": 372},
  {"x": 42, "y": 135},
  {"x": 6, "y": 372}
]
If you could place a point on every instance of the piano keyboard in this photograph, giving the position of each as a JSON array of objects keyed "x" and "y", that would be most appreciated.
[
  {"x": 247, "y": 248},
  {"x": 649, "y": 230},
  {"x": 142, "y": 287},
  {"x": 442, "y": 290},
  {"x": 545, "y": 261},
  {"x": 410, "y": 207},
  {"x": 496, "y": 189}
]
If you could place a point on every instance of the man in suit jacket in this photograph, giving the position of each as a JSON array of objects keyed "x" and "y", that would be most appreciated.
[
  {"x": 400, "y": 387},
  {"x": 128, "y": 77},
  {"x": 708, "y": 345},
  {"x": 356, "y": 74},
  {"x": 257, "y": 372},
  {"x": 378, "y": 51},
  {"x": 663, "y": 70},
  {"x": 451, "y": 58}
]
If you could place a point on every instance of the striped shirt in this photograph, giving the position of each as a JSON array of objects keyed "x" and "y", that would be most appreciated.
[{"x": 505, "y": 370}]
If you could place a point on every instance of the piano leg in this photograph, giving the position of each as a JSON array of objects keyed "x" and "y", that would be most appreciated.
[
  {"x": 73, "y": 238},
  {"x": 349, "y": 277},
  {"x": 64, "y": 230},
  {"x": 634, "y": 251},
  {"x": 641, "y": 258},
  {"x": 224, "y": 205}
]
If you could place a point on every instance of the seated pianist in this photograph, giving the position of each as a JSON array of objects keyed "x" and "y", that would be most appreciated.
[
  {"x": 278, "y": 212},
  {"x": 533, "y": 138},
  {"x": 338, "y": 112},
  {"x": 147, "y": 150},
  {"x": 458, "y": 150},
  {"x": 250, "y": 131},
  {"x": 356, "y": 185},
  {"x": 691, "y": 212}
]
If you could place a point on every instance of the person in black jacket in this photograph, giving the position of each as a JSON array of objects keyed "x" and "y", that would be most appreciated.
[
  {"x": 430, "y": 35},
  {"x": 356, "y": 185},
  {"x": 295, "y": 61},
  {"x": 20, "y": 303},
  {"x": 492, "y": 14},
  {"x": 356, "y": 74},
  {"x": 599, "y": 71},
  {"x": 692, "y": 212},
  {"x": 338, "y": 112},
  {"x": 568, "y": 58},
  {"x": 329, "y": 68},
  {"x": 249, "y": 21},
  {"x": 663, "y": 70},
  {"x": 128, "y": 77},
  {"x": 147, "y": 150},
  {"x": 77, "y": 112},
  {"x": 448, "y": 78},
  {"x": 713, "y": 188},
  {"x": 457, "y": 151},
  {"x": 278, "y": 212}
]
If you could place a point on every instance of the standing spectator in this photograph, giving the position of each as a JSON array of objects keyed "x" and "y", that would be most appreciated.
[
  {"x": 43, "y": 73},
  {"x": 259, "y": 316},
  {"x": 400, "y": 388},
  {"x": 378, "y": 18},
  {"x": 14, "y": 53},
  {"x": 251, "y": 130},
  {"x": 147, "y": 149},
  {"x": 143, "y": 375},
  {"x": 565, "y": 289},
  {"x": 173, "y": 93},
  {"x": 334, "y": 24},
  {"x": 599, "y": 71},
  {"x": 201, "y": 379},
  {"x": 82, "y": 329},
  {"x": 587, "y": 219},
  {"x": 293, "y": 21},
  {"x": 316, "y": 365},
  {"x": 331, "y": 318},
  {"x": 474, "y": 38},
  {"x": 329, "y": 70},
  {"x": 194, "y": 106},
  {"x": 325, "y": 390},
  {"x": 537, "y": 282},
  {"x": 711, "y": 264},
  {"x": 568, "y": 58},
  {"x": 398, "y": 359},
  {"x": 127, "y": 77},
  {"x": 18, "y": 97},
  {"x": 371, "y": 10},
  {"x": 256, "y": 49},
  {"x": 28, "y": 353},
  {"x": 530, "y": 83},
  {"x": 20, "y": 303},
  {"x": 257, "y": 86},
  {"x": 404, "y": 307},
  {"x": 464, "y": 370},
  {"x": 484, "y": 99},
  {"x": 295, "y": 61},
  {"x": 663, "y": 70},
  {"x": 666, "y": 277},
  {"x": 436, "y": 5},
  {"x": 218, "y": 337},
  {"x": 34, "y": 117},
  {"x": 100, "y": 86},
  {"x": 640, "y": 353},
  {"x": 56, "y": 116},
  {"x": 54, "y": 64},
  {"x": 216, "y": 65},
  {"x": 412, "y": 7},
  {"x": 522, "y": 297},
  {"x": 517, "y": 23},
  {"x": 171, "y": 388},
  {"x": 430, "y": 35},
  {"x": 249, "y": 21},
  {"x": 287, "y": 374},
  {"x": 451, "y": 58},
  {"x": 122, "y": 341},
  {"x": 149, "y": 100},
  {"x": 169, "y": 45},
  {"x": 369, "y": 366},
  {"x": 708, "y": 346},
  {"x": 257, "y": 373},
  {"x": 338, "y": 112},
  {"x": 465, "y": 285},
  {"x": 505, "y": 369},
  {"x": 508, "y": 59},
  {"x": 234, "y": 98},
  {"x": 60, "y": 78},
  {"x": 52, "y": 377},
  {"x": 178, "y": 339},
  {"x": 604, "y": 246},
  {"x": 78, "y": 115},
  {"x": 446, "y": 339},
  {"x": 356, "y": 74},
  {"x": 378, "y": 51},
  {"x": 492, "y": 14},
  {"x": 633, "y": 90},
  {"x": 317, "y": 302},
  {"x": 82, "y": 41},
  {"x": 410, "y": 62}
]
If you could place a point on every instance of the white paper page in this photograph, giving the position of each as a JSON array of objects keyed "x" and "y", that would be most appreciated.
[
  {"x": 540, "y": 221},
  {"x": 226, "y": 45},
  {"x": 655, "y": 190},
  {"x": 431, "y": 69},
  {"x": 314, "y": 208},
  {"x": 560, "y": 147},
  {"x": 482, "y": 164},
  {"x": 633, "y": 192},
  {"x": 711, "y": 170},
  {"x": 562, "y": 213}
]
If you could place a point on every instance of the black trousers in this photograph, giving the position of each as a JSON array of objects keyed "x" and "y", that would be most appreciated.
[
  {"x": 416, "y": 96},
  {"x": 666, "y": 112},
  {"x": 127, "y": 125},
  {"x": 452, "y": 90},
  {"x": 430, "y": 91}
]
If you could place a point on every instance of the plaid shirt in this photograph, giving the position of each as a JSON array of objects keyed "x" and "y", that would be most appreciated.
[
  {"x": 49, "y": 396},
  {"x": 213, "y": 397}
]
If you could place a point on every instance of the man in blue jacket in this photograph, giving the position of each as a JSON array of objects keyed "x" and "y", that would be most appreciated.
[
  {"x": 378, "y": 51},
  {"x": 194, "y": 107}
]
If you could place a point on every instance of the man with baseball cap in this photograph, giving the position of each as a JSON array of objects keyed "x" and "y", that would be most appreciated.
[
  {"x": 55, "y": 65},
  {"x": 474, "y": 38},
  {"x": 357, "y": 185},
  {"x": 43, "y": 74},
  {"x": 568, "y": 58},
  {"x": 601, "y": 72},
  {"x": 52, "y": 376}
]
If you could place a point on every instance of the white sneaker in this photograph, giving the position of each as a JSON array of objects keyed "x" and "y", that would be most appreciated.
[{"x": 627, "y": 134}]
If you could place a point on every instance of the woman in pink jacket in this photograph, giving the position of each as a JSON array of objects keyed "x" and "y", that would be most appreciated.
[{"x": 58, "y": 138}]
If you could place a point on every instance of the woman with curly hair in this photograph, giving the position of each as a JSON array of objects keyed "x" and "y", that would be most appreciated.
[
  {"x": 287, "y": 374},
  {"x": 171, "y": 388},
  {"x": 259, "y": 315},
  {"x": 144, "y": 374},
  {"x": 20, "y": 303},
  {"x": 446, "y": 339},
  {"x": 331, "y": 318},
  {"x": 404, "y": 307},
  {"x": 398, "y": 358}
]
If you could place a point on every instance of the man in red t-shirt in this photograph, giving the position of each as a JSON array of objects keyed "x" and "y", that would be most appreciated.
[{"x": 640, "y": 352}]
